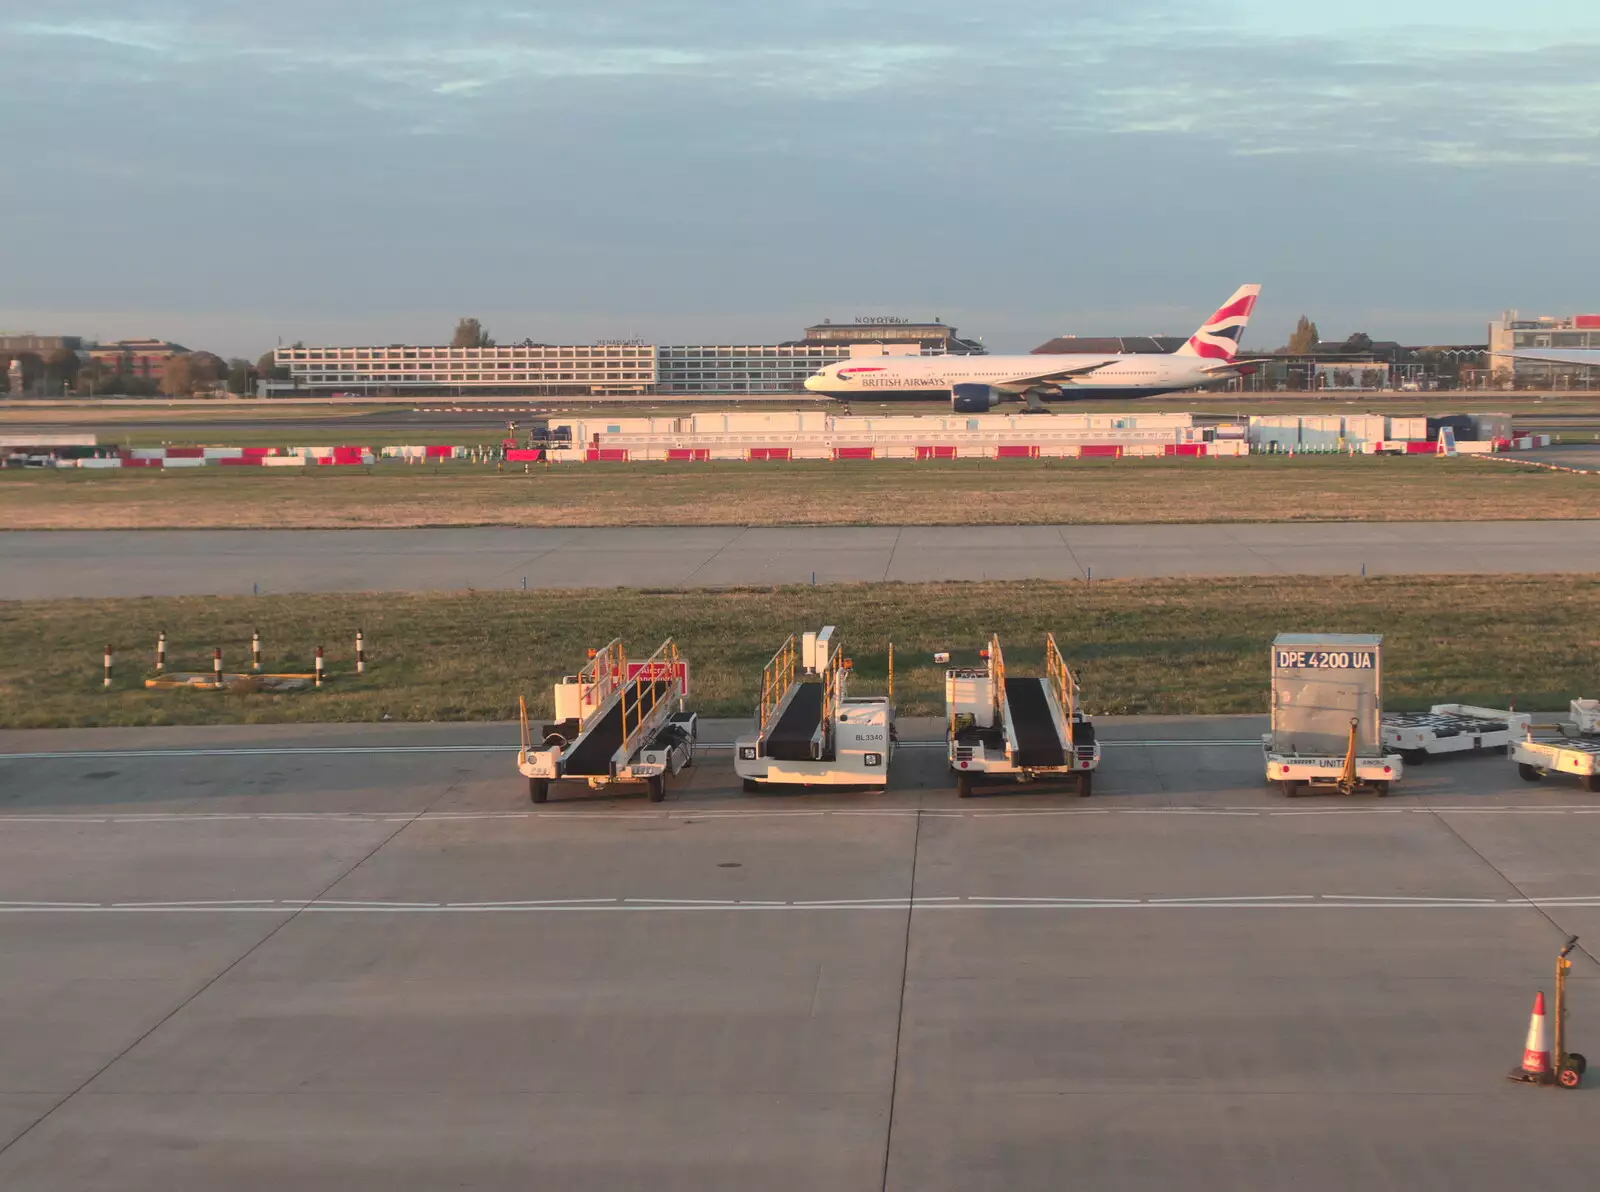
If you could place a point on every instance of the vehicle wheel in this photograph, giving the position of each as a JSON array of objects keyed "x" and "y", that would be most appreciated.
[
  {"x": 1577, "y": 1061},
  {"x": 539, "y": 789},
  {"x": 1381, "y": 788},
  {"x": 751, "y": 786},
  {"x": 1591, "y": 783},
  {"x": 1085, "y": 785},
  {"x": 1290, "y": 790},
  {"x": 1414, "y": 757},
  {"x": 658, "y": 788},
  {"x": 963, "y": 786},
  {"x": 1569, "y": 1078},
  {"x": 1529, "y": 773}
]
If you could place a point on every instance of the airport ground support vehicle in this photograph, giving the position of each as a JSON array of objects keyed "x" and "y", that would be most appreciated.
[
  {"x": 1327, "y": 711},
  {"x": 809, "y": 730},
  {"x": 1535, "y": 757},
  {"x": 616, "y": 722},
  {"x": 1450, "y": 728},
  {"x": 1017, "y": 728}
]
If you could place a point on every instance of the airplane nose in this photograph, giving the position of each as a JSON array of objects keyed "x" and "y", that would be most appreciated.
[{"x": 814, "y": 383}]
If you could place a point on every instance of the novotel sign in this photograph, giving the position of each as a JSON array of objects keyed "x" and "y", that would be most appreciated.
[{"x": 886, "y": 320}]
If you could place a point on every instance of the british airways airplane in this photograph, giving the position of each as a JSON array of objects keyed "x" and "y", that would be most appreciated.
[{"x": 978, "y": 383}]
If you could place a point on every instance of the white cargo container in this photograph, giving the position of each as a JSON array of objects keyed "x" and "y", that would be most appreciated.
[
  {"x": 1408, "y": 429},
  {"x": 1327, "y": 712}
]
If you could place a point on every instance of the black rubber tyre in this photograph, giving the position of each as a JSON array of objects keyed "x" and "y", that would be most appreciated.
[
  {"x": 1529, "y": 773},
  {"x": 539, "y": 789},
  {"x": 657, "y": 787},
  {"x": 1381, "y": 788},
  {"x": 1577, "y": 1061},
  {"x": 1085, "y": 785},
  {"x": 1414, "y": 757},
  {"x": 751, "y": 786},
  {"x": 1291, "y": 790},
  {"x": 1591, "y": 783},
  {"x": 963, "y": 785},
  {"x": 1569, "y": 1078}
]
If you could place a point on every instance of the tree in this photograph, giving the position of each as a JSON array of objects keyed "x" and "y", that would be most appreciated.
[
  {"x": 177, "y": 378},
  {"x": 1359, "y": 342},
  {"x": 94, "y": 378},
  {"x": 241, "y": 377},
  {"x": 1305, "y": 338},
  {"x": 207, "y": 370},
  {"x": 471, "y": 334}
]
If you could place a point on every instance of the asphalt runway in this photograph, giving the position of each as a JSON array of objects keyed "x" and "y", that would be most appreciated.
[
  {"x": 356, "y": 957},
  {"x": 43, "y": 564}
]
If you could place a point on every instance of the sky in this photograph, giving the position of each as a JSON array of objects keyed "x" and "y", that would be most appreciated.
[{"x": 230, "y": 174}]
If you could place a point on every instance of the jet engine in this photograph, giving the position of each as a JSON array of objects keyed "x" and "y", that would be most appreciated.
[{"x": 974, "y": 399}]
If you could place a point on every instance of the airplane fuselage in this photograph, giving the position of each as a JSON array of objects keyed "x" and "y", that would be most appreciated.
[{"x": 1129, "y": 374}]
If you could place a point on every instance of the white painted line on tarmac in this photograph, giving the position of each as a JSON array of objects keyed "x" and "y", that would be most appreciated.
[
  {"x": 380, "y": 750},
  {"x": 694, "y": 905}
]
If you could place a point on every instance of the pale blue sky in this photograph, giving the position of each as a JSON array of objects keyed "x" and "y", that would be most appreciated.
[{"x": 226, "y": 173}]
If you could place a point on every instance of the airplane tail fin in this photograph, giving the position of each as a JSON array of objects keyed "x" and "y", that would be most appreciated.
[{"x": 1219, "y": 338}]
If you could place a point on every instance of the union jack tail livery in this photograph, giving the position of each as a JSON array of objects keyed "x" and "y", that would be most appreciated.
[{"x": 1219, "y": 338}]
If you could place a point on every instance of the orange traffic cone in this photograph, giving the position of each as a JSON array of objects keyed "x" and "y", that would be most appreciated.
[{"x": 1535, "y": 1067}]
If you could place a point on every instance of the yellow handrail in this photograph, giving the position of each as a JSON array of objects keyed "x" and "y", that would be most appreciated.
[
  {"x": 832, "y": 680},
  {"x": 527, "y": 737},
  {"x": 776, "y": 679},
  {"x": 997, "y": 677},
  {"x": 659, "y": 679},
  {"x": 599, "y": 678},
  {"x": 1060, "y": 676}
]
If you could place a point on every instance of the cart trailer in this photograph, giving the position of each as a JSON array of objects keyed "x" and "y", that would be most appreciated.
[
  {"x": 616, "y": 722},
  {"x": 1327, "y": 709},
  {"x": 1578, "y": 756},
  {"x": 1450, "y": 728},
  {"x": 1017, "y": 728},
  {"x": 809, "y": 730}
]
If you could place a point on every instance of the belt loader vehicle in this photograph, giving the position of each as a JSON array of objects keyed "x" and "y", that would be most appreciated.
[
  {"x": 616, "y": 722},
  {"x": 809, "y": 730},
  {"x": 1450, "y": 728},
  {"x": 1327, "y": 710},
  {"x": 1019, "y": 728}
]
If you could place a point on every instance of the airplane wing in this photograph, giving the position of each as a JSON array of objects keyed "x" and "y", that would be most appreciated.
[
  {"x": 1055, "y": 374},
  {"x": 1589, "y": 356},
  {"x": 1231, "y": 365}
]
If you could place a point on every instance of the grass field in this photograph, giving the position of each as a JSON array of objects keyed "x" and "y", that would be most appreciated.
[
  {"x": 1176, "y": 647},
  {"x": 950, "y": 492}
]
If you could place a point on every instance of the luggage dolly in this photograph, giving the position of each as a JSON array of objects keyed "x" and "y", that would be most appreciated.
[{"x": 1569, "y": 1066}]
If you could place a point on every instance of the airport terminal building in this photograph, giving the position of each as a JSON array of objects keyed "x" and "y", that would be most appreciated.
[
  {"x": 1569, "y": 333},
  {"x": 611, "y": 368}
]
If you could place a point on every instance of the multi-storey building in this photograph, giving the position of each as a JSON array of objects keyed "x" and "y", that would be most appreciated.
[
  {"x": 605, "y": 369},
  {"x": 145, "y": 358},
  {"x": 1573, "y": 333}
]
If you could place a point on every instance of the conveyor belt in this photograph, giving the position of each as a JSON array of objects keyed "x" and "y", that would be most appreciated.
[
  {"x": 790, "y": 738},
  {"x": 1038, "y": 738},
  {"x": 592, "y": 753}
]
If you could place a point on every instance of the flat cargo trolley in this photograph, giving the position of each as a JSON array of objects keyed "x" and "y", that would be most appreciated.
[
  {"x": 617, "y": 722},
  {"x": 810, "y": 731},
  {"x": 1451, "y": 728},
  {"x": 1017, "y": 728},
  {"x": 1537, "y": 757},
  {"x": 1327, "y": 711}
]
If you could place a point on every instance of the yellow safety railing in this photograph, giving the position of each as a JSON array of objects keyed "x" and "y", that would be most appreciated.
[
  {"x": 600, "y": 676},
  {"x": 1060, "y": 676},
  {"x": 657, "y": 680},
  {"x": 997, "y": 677},
  {"x": 833, "y": 679},
  {"x": 527, "y": 736},
  {"x": 776, "y": 679}
]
